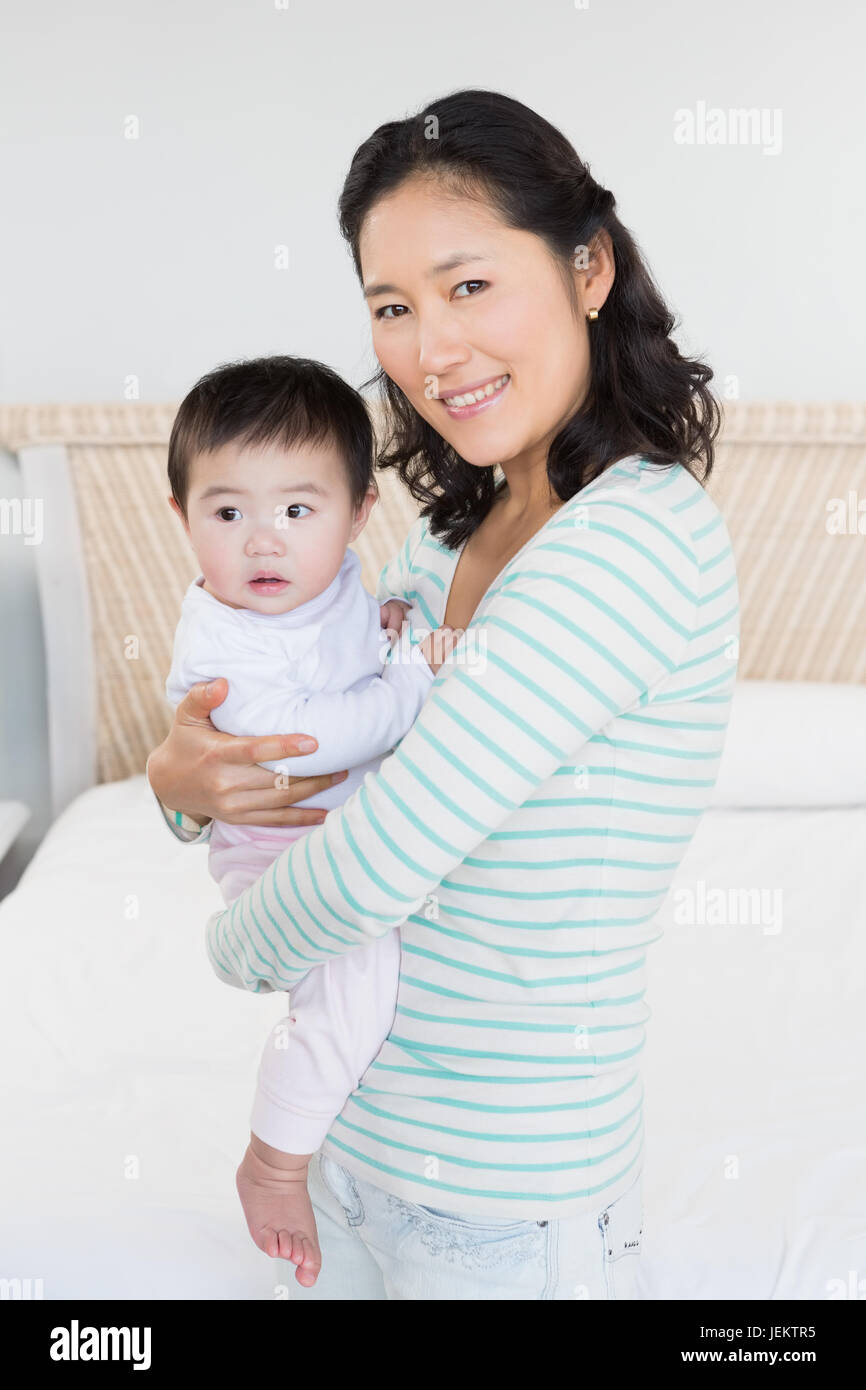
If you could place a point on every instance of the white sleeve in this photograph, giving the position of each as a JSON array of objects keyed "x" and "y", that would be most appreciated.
[{"x": 350, "y": 726}]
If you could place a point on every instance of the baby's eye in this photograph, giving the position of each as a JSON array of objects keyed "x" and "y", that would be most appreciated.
[
  {"x": 293, "y": 507},
  {"x": 226, "y": 509}
]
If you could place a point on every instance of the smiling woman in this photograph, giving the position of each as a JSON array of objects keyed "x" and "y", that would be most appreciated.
[
  {"x": 561, "y": 320},
  {"x": 526, "y": 829}
]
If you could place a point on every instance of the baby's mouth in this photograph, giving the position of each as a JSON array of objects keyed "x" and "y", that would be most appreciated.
[{"x": 268, "y": 583}]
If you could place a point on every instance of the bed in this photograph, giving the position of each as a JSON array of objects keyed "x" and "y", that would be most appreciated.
[{"x": 127, "y": 1068}]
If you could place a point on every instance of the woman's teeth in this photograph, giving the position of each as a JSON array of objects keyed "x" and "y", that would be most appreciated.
[{"x": 472, "y": 397}]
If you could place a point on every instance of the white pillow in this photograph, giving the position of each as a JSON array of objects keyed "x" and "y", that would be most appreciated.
[{"x": 794, "y": 743}]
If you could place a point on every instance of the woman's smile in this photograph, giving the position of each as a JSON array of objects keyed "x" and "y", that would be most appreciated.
[{"x": 463, "y": 405}]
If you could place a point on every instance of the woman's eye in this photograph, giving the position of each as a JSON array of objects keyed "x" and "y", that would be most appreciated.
[
  {"x": 383, "y": 312},
  {"x": 226, "y": 509},
  {"x": 469, "y": 282},
  {"x": 380, "y": 313}
]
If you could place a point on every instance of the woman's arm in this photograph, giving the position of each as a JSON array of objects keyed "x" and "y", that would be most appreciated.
[
  {"x": 585, "y": 627},
  {"x": 203, "y": 773}
]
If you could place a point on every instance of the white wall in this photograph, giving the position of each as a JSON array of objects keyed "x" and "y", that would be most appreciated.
[{"x": 153, "y": 258}]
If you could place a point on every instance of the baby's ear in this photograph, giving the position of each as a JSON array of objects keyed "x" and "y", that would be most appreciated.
[
  {"x": 178, "y": 511},
  {"x": 362, "y": 515}
]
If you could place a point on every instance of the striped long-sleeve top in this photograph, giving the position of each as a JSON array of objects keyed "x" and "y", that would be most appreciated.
[{"x": 523, "y": 833}]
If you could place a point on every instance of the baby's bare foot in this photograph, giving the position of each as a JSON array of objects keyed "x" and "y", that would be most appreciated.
[{"x": 280, "y": 1215}]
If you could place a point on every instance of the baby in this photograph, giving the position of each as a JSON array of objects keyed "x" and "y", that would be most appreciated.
[{"x": 271, "y": 470}]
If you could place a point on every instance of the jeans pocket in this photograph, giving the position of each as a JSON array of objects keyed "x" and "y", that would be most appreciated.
[
  {"x": 341, "y": 1185},
  {"x": 494, "y": 1224},
  {"x": 621, "y": 1227}
]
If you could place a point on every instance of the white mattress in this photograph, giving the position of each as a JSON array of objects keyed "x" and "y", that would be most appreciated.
[{"x": 128, "y": 1069}]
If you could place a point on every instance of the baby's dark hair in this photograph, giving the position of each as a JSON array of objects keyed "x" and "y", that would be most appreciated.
[{"x": 272, "y": 400}]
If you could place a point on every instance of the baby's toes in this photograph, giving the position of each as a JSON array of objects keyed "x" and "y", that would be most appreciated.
[
  {"x": 285, "y": 1245},
  {"x": 311, "y": 1260},
  {"x": 268, "y": 1240}
]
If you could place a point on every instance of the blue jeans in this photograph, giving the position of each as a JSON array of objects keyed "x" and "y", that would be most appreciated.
[{"x": 378, "y": 1246}]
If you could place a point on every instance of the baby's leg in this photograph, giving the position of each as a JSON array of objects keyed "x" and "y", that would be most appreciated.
[
  {"x": 339, "y": 1015},
  {"x": 236, "y": 858},
  {"x": 271, "y": 1182}
]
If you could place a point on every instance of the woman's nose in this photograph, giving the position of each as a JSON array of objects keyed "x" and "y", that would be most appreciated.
[{"x": 441, "y": 348}]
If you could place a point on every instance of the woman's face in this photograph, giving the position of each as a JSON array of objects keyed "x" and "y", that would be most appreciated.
[{"x": 458, "y": 300}]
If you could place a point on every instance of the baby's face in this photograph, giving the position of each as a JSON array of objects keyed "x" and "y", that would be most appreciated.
[{"x": 266, "y": 511}]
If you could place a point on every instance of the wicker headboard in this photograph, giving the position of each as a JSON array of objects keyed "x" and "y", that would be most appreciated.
[{"x": 111, "y": 588}]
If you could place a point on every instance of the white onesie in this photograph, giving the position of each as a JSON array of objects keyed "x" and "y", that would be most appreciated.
[{"x": 325, "y": 669}]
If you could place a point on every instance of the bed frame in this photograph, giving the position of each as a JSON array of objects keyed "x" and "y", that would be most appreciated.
[{"x": 86, "y": 709}]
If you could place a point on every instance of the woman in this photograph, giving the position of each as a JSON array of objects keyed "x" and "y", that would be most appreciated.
[{"x": 526, "y": 830}]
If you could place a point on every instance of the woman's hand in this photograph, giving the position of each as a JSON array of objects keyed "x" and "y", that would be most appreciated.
[
  {"x": 438, "y": 646},
  {"x": 208, "y": 774}
]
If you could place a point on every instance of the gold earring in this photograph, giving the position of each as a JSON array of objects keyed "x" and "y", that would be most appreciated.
[{"x": 592, "y": 315}]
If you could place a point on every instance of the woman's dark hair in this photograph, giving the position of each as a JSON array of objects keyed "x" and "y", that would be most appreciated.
[
  {"x": 644, "y": 397},
  {"x": 272, "y": 400}
]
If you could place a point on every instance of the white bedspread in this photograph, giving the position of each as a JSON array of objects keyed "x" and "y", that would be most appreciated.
[{"x": 127, "y": 1069}]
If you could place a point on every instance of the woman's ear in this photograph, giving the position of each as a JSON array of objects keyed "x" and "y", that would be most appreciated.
[{"x": 595, "y": 271}]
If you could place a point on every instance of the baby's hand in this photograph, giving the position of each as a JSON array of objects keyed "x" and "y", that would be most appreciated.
[
  {"x": 392, "y": 616},
  {"x": 279, "y": 1213},
  {"x": 438, "y": 646}
]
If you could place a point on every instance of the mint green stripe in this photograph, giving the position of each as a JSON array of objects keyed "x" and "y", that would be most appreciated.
[
  {"x": 436, "y": 579},
  {"x": 660, "y": 750},
  {"x": 481, "y": 1137},
  {"x": 589, "y": 1103},
  {"x": 499, "y": 1026},
  {"x": 434, "y": 927},
  {"x": 594, "y": 831},
  {"x": 484, "y": 890},
  {"x": 471, "y": 1163},
  {"x": 717, "y": 593},
  {"x": 599, "y": 528},
  {"x": 549, "y": 865},
  {"x": 728, "y": 617},
  {"x": 427, "y": 1184},
  {"x": 534, "y": 689},
  {"x": 478, "y": 736},
  {"x": 703, "y": 531},
  {"x": 465, "y": 968},
  {"x": 649, "y": 806},
  {"x": 690, "y": 691},
  {"x": 671, "y": 724},
  {"x": 465, "y": 915},
  {"x": 447, "y": 755},
  {"x": 607, "y": 609}
]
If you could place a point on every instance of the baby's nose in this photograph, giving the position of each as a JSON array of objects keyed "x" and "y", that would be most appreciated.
[{"x": 266, "y": 540}]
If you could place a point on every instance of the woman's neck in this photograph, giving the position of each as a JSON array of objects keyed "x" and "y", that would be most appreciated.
[{"x": 527, "y": 500}]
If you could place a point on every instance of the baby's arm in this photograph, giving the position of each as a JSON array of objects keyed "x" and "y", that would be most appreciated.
[{"x": 350, "y": 726}]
